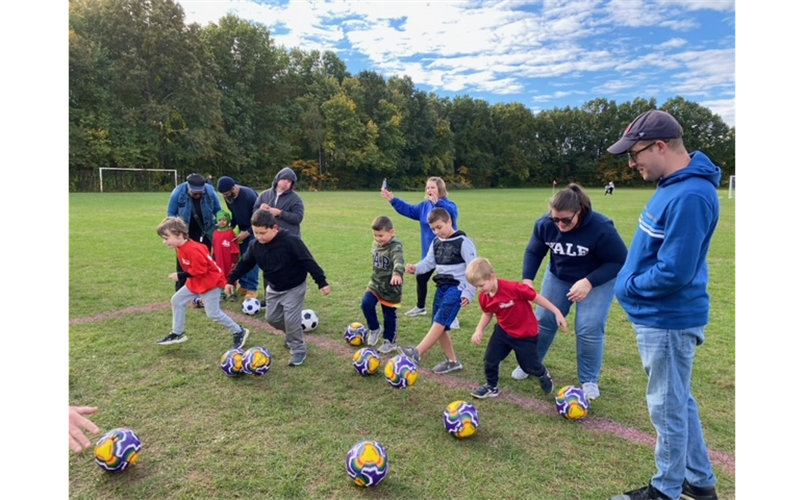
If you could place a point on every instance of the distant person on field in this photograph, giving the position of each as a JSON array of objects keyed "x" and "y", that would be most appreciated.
[
  {"x": 225, "y": 249},
  {"x": 435, "y": 197},
  {"x": 586, "y": 253},
  {"x": 240, "y": 201},
  {"x": 663, "y": 289},
  {"x": 517, "y": 328},
  {"x": 203, "y": 279},
  {"x": 610, "y": 188},
  {"x": 196, "y": 203},
  {"x": 283, "y": 202},
  {"x": 286, "y": 262},
  {"x": 78, "y": 424},
  {"x": 388, "y": 266},
  {"x": 449, "y": 254}
]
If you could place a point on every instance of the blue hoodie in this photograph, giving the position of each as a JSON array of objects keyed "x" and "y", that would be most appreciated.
[
  {"x": 663, "y": 283},
  {"x": 420, "y": 212}
]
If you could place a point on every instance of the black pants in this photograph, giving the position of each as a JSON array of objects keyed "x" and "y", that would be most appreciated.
[
  {"x": 422, "y": 288},
  {"x": 500, "y": 345},
  {"x": 179, "y": 284}
]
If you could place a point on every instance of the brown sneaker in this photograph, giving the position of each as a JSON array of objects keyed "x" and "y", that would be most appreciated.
[
  {"x": 241, "y": 292},
  {"x": 251, "y": 294}
]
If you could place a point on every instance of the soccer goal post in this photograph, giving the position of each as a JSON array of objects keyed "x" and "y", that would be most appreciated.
[
  {"x": 138, "y": 179},
  {"x": 732, "y": 187}
]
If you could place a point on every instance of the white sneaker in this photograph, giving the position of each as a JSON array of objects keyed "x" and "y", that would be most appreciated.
[
  {"x": 387, "y": 347},
  {"x": 417, "y": 311},
  {"x": 519, "y": 374},
  {"x": 590, "y": 390},
  {"x": 455, "y": 325},
  {"x": 374, "y": 336}
]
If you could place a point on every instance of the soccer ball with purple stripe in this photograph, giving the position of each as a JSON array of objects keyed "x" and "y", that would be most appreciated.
[
  {"x": 401, "y": 371},
  {"x": 366, "y": 361},
  {"x": 367, "y": 463},
  {"x": 117, "y": 450},
  {"x": 461, "y": 419}
]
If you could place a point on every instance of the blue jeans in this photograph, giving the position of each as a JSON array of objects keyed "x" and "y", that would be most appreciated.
[
  {"x": 369, "y": 305},
  {"x": 591, "y": 322},
  {"x": 251, "y": 280},
  {"x": 681, "y": 452}
]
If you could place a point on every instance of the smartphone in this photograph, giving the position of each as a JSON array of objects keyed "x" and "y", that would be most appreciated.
[{"x": 384, "y": 186}]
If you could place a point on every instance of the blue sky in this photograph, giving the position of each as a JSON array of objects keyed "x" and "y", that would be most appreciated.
[{"x": 544, "y": 54}]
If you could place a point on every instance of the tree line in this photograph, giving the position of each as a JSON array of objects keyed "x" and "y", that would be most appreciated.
[{"x": 147, "y": 90}]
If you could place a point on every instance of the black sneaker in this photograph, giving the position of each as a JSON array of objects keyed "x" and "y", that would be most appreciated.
[
  {"x": 412, "y": 353},
  {"x": 690, "y": 492},
  {"x": 546, "y": 382},
  {"x": 646, "y": 493},
  {"x": 238, "y": 339},
  {"x": 485, "y": 391},
  {"x": 297, "y": 359},
  {"x": 173, "y": 338}
]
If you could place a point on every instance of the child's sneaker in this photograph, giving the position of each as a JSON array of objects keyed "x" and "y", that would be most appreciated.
[
  {"x": 690, "y": 492},
  {"x": 297, "y": 359},
  {"x": 173, "y": 338},
  {"x": 238, "y": 339},
  {"x": 374, "y": 336},
  {"x": 412, "y": 353},
  {"x": 590, "y": 390},
  {"x": 251, "y": 294},
  {"x": 417, "y": 311},
  {"x": 387, "y": 347},
  {"x": 485, "y": 391},
  {"x": 447, "y": 366},
  {"x": 519, "y": 374},
  {"x": 546, "y": 382}
]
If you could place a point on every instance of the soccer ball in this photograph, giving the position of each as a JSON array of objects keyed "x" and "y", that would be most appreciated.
[
  {"x": 309, "y": 320},
  {"x": 251, "y": 306},
  {"x": 117, "y": 449},
  {"x": 256, "y": 361},
  {"x": 198, "y": 303},
  {"x": 571, "y": 403},
  {"x": 355, "y": 333},
  {"x": 232, "y": 362},
  {"x": 461, "y": 419},
  {"x": 401, "y": 371},
  {"x": 367, "y": 463},
  {"x": 366, "y": 361}
]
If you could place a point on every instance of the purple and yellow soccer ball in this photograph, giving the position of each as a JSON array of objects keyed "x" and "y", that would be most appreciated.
[
  {"x": 461, "y": 419},
  {"x": 367, "y": 463},
  {"x": 250, "y": 306},
  {"x": 401, "y": 371},
  {"x": 256, "y": 361},
  {"x": 117, "y": 450},
  {"x": 572, "y": 403},
  {"x": 366, "y": 361},
  {"x": 355, "y": 334},
  {"x": 232, "y": 362}
]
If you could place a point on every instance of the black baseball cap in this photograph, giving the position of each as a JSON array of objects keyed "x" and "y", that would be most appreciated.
[
  {"x": 654, "y": 124},
  {"x": 196, "y": 183}
]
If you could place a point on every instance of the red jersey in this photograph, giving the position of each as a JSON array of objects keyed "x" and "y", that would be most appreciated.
[
  {"x": 512, "y": 306},
  {"x": 196, "y": 260},
  {"x": 225, "y": 250}
]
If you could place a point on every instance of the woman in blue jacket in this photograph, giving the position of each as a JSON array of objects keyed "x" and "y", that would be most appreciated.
[
  {"x": 435, "y": 196},
  {"x": 586, "y": 254}
]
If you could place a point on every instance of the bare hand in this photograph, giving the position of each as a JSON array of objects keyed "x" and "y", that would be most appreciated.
[
  {"x": 385, "y": 193},
  {"x": 174, "y": 276},
  {"x": 229, "y": 289},
  {"x": 410, "y": 268},
  {"x": 560, "y": 320},
  {"x": 529, "y": 283},
  {"x": 465, "y": 301},
  {"x": 477, "y": 337},
  {"x": 241, "y": 237},
  {"x": 396, "y": 280},
  {"x": 579, "y": 290},
  {"x": 325, "y": 290},
  {"x": 264, "y": 206},
  {"x": 78, "y": 424}
]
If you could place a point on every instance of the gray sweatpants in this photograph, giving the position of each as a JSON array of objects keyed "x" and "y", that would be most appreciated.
[
  {"x": 284, "y": 312},
  {"x": 212, "y": 306}
]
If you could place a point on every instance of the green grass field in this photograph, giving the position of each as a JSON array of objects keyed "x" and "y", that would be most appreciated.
[{"x": 286, "y": 434}]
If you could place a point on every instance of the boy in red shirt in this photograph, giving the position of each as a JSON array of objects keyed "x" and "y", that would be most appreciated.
[
  {"x": 517, "y": 327},
  {"x": 225, "y": 249},
  {"x": 204, "y": 280}
]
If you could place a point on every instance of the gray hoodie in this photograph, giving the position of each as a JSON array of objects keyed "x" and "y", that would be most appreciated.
[{"x": 293, "y": 209}]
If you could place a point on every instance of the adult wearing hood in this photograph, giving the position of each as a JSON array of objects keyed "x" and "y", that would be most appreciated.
[
  {"x": 283, "y": 202},
  {"x": 196, "y": 203},
  {"x": 663, "y": 289}
]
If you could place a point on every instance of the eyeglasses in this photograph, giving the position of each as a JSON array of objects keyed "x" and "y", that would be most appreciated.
[
  {"x": 633, "y": 154},
  {"x": 564, "y": 220}
]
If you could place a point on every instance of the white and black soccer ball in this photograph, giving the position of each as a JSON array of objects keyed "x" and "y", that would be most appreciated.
[
  {"x": 309, "y": 320},
  {"x": 251, "y": 306}
]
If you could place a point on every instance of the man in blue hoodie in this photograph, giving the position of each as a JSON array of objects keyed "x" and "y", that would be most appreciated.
[{"x": 663, "y": 289}]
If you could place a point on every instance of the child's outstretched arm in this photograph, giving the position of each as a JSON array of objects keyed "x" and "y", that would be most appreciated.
[
  {"x": 478, "y": 336},
  {"x": 547, "y": 304}
]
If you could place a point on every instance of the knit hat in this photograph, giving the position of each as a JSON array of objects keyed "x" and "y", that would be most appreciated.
[{"x": 225, "y": 184}]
